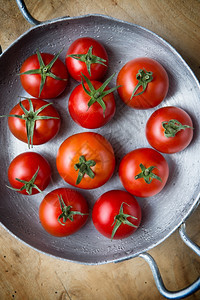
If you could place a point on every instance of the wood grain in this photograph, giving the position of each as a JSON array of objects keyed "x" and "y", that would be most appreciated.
[{"x": 28, "y": 274}]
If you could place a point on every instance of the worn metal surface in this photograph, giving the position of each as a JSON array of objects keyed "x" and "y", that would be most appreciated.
[{"x": 163, "y": 213}]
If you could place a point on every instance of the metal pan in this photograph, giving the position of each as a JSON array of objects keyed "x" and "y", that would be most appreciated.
[{"x": 163, "y": 213}]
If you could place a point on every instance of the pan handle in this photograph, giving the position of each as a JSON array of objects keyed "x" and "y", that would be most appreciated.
[
  {"x": 26, "y": 13},
  {"x": 195, "y": 286}
]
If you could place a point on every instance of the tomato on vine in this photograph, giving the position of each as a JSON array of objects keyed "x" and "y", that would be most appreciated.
[
  {"x": 34, "y": 121},
  {"x": 63, "y": 211},
  {"x": 92, "y": 104},
  {"x": 143, "y": 83},
  {"x": 116, "y": 214},
  {"x": 143, "y": 172},
  {"x": 44, "y": 75},
  {"x": 169, "y": 129},
  {"x": 29, "y": 173},
  {"x": 86, "y": 55},
  {"x": 86, "y": 160}
]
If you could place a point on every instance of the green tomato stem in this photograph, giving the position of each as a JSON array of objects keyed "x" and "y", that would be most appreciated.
[
  {"x": 172, "y": 127},
  {"x": 27, "y": 185},
  {"x": 99, "y": 94},
  {"x": 120, "y": 219},
  {"x": 147, "y": 174},
  {"x": 89, "y": 59},
  {"x": 144, "y": 78},
  {"x": 84, "y": 167},
  {"x": 67, "y": 213}
]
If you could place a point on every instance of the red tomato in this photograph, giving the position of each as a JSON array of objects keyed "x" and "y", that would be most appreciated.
[
  {"x": 30, "y": 112},
  {"x": 29, "y": 173},
  {"x": 63, "y": 211},
  {"x": 116, "y": 214},
  {"x": 92, "y": 109},
  {"x": 86, "y": 160},
  {"x": 143, "y": 172},
  {"x": 87, "y": 56},
  {"x": 169, "y": 129},
  {"x": 144, "y": 83},
  {"x": 46, "y": 81}
]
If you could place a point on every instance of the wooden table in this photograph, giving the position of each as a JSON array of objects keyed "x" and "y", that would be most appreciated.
[{"x": 27, "y": 274}]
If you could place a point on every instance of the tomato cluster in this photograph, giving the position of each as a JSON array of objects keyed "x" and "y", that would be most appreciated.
[{"x": 86, "y": 160}]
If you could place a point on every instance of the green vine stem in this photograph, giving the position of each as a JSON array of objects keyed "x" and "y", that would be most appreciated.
[{"x": 147, "y": 174}]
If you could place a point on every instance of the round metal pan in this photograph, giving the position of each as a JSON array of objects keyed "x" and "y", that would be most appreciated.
[{"x": 163, "y": 213}]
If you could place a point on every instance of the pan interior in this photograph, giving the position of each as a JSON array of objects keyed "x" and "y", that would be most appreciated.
[{"x": 163, "y": 213}]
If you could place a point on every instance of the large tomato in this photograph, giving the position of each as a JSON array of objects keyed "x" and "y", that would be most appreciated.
[
  {"x": 34, "y": 121},
  {"x": 169, "y": 129},
  {"x": 116, "y": 214},
  {"x": 143, "y": 172},
  {"x": 44, "y": 75},
  {"x": 92, "y": 104},
  {"x": 144, "y": 83},
  {"x": 63, "y": 211},
  {"x": 86, "y": 56},
  {"x": 86, "y": 160},
  {"x": 29, "y": 173}
]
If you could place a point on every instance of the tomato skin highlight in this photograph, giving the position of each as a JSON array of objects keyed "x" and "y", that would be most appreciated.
[
  {"x": 92, "y": 117},
  {"x": 50, "y": 210},
  {"x": 155, "y": 131},
  {"x": 156, "y": 90},
  {"x": 24, "y": 166},
  {"x": 44, "y": 130},
  {"x": 107, "y": 207},
  {"x": 52, "y": 87},
  {"x": 76, "y": 67},
  {"x": 130, "y": 167},
  {"x": 92, "y": 146}
]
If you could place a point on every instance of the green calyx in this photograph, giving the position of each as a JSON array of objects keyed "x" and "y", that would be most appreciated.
[
  {"x": 99, "y": 94},
  {"x": 147, "y": 174},
  {"x": 143, "y": 78},
  {"x": 30, "y": 116},
  {"x": 84, "y": 167},
  {"x": 89, "y": 59},
  {"x": 44, "y": 70},
  {"x": 172, "y": 127},
  {"x": 67, "y": 213},
  {"x": 121, "y": 218},
  {"x": 27, "y": 185}
]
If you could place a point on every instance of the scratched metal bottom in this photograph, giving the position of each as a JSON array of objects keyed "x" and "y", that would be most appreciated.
[{"x": 163, "y": 213}]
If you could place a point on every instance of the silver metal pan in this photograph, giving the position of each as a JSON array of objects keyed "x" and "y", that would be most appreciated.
[{"x": 163, "y": 213}]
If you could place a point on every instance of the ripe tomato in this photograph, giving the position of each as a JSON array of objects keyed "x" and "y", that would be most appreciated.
[
  {"x": 87, "y": 56},
  {"x": 169, "y": 129},
  {"x": 86, "y": 160},
  {"x": 144, "y": 83},
  {"x": 92, "y": 104},
  {"x": 29, "y": 173},
  {"x": 34, "y": 121},
  {"x": 63, "y": 211},
  {"x": 143, "y": 172},
  {"x": 116, "y": 214},
  {"x": 44, "y": 75}
]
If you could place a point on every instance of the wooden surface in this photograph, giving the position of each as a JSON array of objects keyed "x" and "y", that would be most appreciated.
[{"x": 27, "y": 274}]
